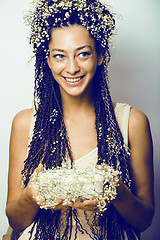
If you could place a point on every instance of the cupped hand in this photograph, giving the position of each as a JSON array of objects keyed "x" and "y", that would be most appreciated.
[
  {"x": 87, "y": 205},
  {"x": 35, "y": 196},
  {"x": 120, "y": 187},
  {"x": 30, "y": 191},
  {"x": 102, "y": 167}
]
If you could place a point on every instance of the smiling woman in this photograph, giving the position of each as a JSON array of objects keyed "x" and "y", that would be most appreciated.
[
  {"x": 75, "y": 125},
  {"x": 73, "y": 60}
]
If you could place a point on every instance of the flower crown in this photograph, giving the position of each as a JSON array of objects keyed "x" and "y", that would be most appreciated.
[{"x": 47, "y": 14}]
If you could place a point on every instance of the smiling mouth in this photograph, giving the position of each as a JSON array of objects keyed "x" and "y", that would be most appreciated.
[{"x": 73, "y": 80}]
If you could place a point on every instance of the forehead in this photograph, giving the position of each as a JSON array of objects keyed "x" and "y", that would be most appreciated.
[{"x": 71, "y": 36}]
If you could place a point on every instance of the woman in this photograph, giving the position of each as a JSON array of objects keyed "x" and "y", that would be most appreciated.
[{"x": 75, "y": 122}]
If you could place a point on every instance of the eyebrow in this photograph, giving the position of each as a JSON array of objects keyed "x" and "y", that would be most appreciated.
[{"x": 79, "y": 48}]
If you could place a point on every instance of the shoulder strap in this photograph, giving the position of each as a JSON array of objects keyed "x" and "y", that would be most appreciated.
[{"x": 122, "y": 111}]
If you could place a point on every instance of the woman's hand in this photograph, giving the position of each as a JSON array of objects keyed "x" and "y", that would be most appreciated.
[
  {"x": 30, "y": 191},
  {"x": 87, "y": 205},
  {"x": 120, "y": 186},
  {"x": 34, "y": 196}
]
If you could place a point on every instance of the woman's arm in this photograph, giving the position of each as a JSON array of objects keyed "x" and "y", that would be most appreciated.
[
  {"x": 137, "y": 208},
  {"x": 21, "y": 208}
]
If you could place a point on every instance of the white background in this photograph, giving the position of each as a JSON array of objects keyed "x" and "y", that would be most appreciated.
[{"x": 134, "y": 76}]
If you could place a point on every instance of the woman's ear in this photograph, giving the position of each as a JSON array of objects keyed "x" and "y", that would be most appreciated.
[
  {"x": 48, "y": 61},
  {"x": 100, "y": 59}
]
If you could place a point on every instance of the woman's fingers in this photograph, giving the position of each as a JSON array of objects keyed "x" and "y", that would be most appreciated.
[
  {"x": 39, "y": 168},
  {"x": 88, "y": 205},
  {"x": 59, "y": 205},
  {"x": 99, "y": 167},
  {"x": 32, "y": 192},
  {"x": 102, "y": 167}
]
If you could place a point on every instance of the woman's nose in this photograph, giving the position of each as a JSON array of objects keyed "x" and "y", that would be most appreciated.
[{"x": 72, "y": 66}]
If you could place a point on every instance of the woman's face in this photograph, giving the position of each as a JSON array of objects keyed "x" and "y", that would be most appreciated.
[{"x": 73, "y": 59}]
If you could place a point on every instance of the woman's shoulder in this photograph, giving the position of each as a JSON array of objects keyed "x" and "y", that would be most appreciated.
[
  {"x": 137, "y": 122},
  {"x": 22, "y": 120},
  {"x": 139, "y": 129},
  {"x": 23, "y": 116},
  {"x": 137, "y": 119}
]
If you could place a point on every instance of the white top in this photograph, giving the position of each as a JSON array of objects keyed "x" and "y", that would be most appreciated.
[
  {"x": 122, "y": 115},
  {"x": 89, "y": 161}
]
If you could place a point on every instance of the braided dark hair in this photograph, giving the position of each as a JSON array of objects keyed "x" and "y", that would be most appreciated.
[{"x": 50, "y": 143}]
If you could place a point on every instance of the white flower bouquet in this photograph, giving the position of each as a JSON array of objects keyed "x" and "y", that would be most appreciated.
[{"x": 71, "y": 185}]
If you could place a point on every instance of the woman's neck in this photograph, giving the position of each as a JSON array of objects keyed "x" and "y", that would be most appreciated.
[{"x": 74, "y": 105}]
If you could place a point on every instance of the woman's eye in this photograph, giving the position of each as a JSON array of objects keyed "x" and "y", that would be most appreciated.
[
  {"x": 58, "y": 56},
  {"x": 84, "y": 54}
]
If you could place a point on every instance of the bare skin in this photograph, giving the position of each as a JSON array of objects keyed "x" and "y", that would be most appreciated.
[{"x": 136, "y": 208}]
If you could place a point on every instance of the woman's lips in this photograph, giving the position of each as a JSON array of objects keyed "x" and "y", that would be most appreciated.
[{"x": 73, "y": 80}]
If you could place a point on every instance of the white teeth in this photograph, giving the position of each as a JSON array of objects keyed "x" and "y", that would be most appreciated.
[{"x": 73, "y": 80}]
